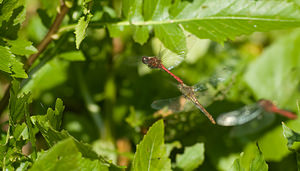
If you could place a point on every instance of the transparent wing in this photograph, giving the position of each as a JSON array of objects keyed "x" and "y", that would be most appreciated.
[
  {"x": 254, "y": 126},
  {"x": 215, "y": 88},
  {"x": 221, "y": 76},
  {"x": 171, "y": 59},
  {"x": 173, "y": 105},
  {"x": 240, "y": 116}
]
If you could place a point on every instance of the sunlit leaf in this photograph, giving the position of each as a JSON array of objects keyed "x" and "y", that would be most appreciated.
[
  {"x": 9, "y": 63},
  {"x": 65, "y": 155},
  {"x": 250, "y": 160},
  {"x": 12, "y": 15},
  {"x": 21, "y": 47},
  {"x": 212, "y": 19},
  {"x": 80, "y": 30},
  {"x": 151, "y": 152},
  {"x": 290, "y": 135},
  {"x": 192, "y": 157}
]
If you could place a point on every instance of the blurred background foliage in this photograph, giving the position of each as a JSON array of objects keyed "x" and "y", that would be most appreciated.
[{"x": 107, "y": 92}]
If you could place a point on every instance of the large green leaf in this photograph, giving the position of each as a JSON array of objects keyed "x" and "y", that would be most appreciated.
[
  {"x": 275, "y": 74},
  {"x": 210, "y": 19},
  {"x": 65, "y": 155},
  {"x": 151, "y": 152},
  {"x": 9, "y": 63},
  {"x": 192, "y": 157}
]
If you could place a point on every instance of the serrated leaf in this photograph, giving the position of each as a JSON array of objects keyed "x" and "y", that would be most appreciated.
[
  {"x": 151, "y": 152},
  {"x": 266, "y": 80},
  {"x": 250, "y": 160},
  {"x": 21, "y": 132},
  {"x": 192, "y": 157},
  {"x": 72, "y": 56},
  {"x": 21, "y": 47},
  {"x": 290, "y": 135},
  {"x": 66, "y": 156},
  {"x": 9, "y": 63},
  {"x": 217, "y": 19},
  {"x": 55, "y": 116},
  {"x": 80, "y": 29},
  {"x": 12, "y": 15},
  {"x": 17, "y": 104}
]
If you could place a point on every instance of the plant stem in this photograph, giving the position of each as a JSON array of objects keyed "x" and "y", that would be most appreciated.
[
  {"x": 41, "y": 47},
  {"x": 91, "y": 106}
]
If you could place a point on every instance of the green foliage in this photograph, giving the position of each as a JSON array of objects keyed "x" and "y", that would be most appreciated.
[
  {"x": 66, "y": 156},
  {"x": 191, "y": 158},
  {"x": 251, "y": 160},
  {"x": 9, "y": 63},
  {"x": 102, "y": 98},
  {"x": 151, "y": 152},
  {"x": 81, "y": 29},
  {"x": 284, "y": 56},
  {"x": 216, "y": 20},
  {"x": 290, "y": 135}
]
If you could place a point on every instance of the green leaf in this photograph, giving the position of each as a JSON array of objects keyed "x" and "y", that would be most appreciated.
[
  {"x": 141, "y": 34},
  {"x": 21, "y": 47},
  {"x": 192, "y": 157},
  {"x": 72, "y": 56},
  {"x": 172, "y": 37},
  {"x": 55, "y": 116},
  {"x": 250, "y": 160},
  {"x": 80, "y": 30},
  {"x": 156, "y": 10},
  {"x": 21, "y": 132},
  {"x": 132, "y": 10},
  {"x": 151, "y": 152},
  {"x": 290, "y": 135},
  {"x": 9, "y": 63},
  {"x": 170, "y": 146},
  {"x": 217, "y": 20},
  {"x": 65, "y": 155},
  {"x": 279, "y": 81},
  {"x": 52, "y": 74},
  {"x": 17, "y": 105},
  {"x": 12, "y": 15}
]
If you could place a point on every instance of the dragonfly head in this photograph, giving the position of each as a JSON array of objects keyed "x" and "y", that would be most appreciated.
[{"x": 151, "y": 62}]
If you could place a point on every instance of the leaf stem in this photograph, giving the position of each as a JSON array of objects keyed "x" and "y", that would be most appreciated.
[
  {"x": 91, "y": 106},
  {"x": 41, "y": 47}
]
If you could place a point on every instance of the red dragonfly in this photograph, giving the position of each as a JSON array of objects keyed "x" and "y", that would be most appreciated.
[
  {"x": 251, "y": 112},
  {"x": 189, "y": 92}
]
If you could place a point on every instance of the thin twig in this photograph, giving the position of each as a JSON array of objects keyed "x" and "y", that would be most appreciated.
[
  {"x": 41, "y": 47},
  {"x": 48, "y": 38}
]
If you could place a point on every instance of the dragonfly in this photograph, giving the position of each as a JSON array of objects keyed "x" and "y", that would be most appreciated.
[
  {"x": 250, "y": 112},
  {"x": 189, "y": 92}
]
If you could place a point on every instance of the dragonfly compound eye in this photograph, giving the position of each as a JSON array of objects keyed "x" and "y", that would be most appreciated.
[{"x": 145, "y": 60}]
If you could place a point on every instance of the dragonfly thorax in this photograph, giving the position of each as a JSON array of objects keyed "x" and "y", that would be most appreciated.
[
  {"x": 187, "y": 91},
  {"x": 151, "y": 62}
]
